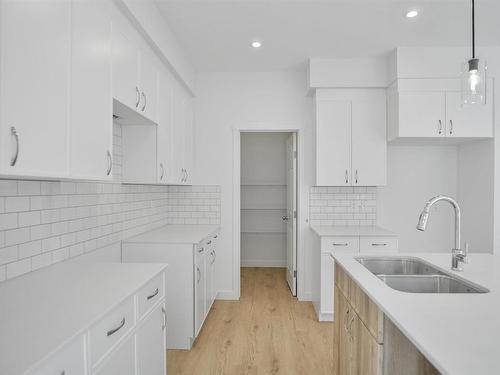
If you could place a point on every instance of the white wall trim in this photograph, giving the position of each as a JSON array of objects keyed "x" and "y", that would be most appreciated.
[
  {"x": 263, "y": 263},
  {"x": 301, "y": 216}
]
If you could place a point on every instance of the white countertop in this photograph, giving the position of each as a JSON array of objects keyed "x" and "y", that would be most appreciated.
[
  {"x": 457, "y": 333},
  {"x": 43, "y": 310},
  {"x": 175, "y": 234},
  {"x": 364, "y": 231}
]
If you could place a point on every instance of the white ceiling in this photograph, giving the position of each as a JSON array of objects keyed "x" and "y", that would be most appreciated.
[{"x": 216, "y": 33}]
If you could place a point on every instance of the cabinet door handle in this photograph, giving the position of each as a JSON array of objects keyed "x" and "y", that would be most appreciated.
[
  {"x": 187, "y": 175},
  {"x": 340, "y": 244},
  {"x": 346, "y": 176},
  {"x": 155, "y": 293},
  {"x": 440, "y": 128},
  {"x": 14, "y": 133},
  {"x": 162, "y": 171},
  {"x": 379, "y": 244},
  {"x": 349, "y": 328},
  {"x": 110, "y": 162},
  {"x": 346, "y": 318},
  {"x": 356, "y": 176},
  {"x": 209, "y": 242},
  {"x": 164, "y": 312},
  {"x": 215, "y": 256},
  {"x": 137, "y": 97},
  {"x": 201, "y": 249},
  {"x": 199, "y": 275},
  {"x": 114, "y": 330},
  {"x": 451, "y": 127},
  {"x": 145, "y": 102},
  {"x": 215, "y": 237}
]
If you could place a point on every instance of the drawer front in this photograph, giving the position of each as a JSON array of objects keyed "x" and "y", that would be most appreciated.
[
  {"x": 340, "y": 244},
  {"x": 105, "y": 334},
  {"x": 69, "y": 361},
  {"x": 149, "y": 295},
  {"x": 378, "y": 244}
]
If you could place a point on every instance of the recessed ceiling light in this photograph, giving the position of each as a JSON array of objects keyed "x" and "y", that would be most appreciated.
[
  {"x": 256, "y": 44},
  {"x": 411, "y": 13}
]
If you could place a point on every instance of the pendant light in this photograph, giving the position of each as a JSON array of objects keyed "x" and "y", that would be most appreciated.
[{"x": 474, "y": 73}]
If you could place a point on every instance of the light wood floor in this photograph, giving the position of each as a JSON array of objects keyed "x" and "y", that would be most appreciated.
[{"x": 267, "y": 332}]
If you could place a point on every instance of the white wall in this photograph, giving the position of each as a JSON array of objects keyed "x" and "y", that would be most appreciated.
[
  {"x": 475, "y": 194},
  {"x": 415, "y": 174},
  {"x": 228, "y": 101}
]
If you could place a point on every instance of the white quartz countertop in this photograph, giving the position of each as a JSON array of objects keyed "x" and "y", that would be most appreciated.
[
  {"x": 43, "y": 310},
  {"x": 364, "y": 231},
  {"x": 176, "y": 234},
  {"x": 458, "y": 333}
]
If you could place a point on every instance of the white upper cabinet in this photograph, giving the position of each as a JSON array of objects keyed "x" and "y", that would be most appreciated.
[
  {"x": 333, "y": 142},
  {"x": 125, "y": 70},
  {"x": 91, "y": 127},
  {"x": 432, "y": 108},
  {"x": 148, "y": 86},
  {"x": 351, "y": 147},
  {"x": 35, "y": 82},
  {"x": 165, "y": 132}
]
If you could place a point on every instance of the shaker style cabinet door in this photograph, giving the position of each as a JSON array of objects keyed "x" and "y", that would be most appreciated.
[
  {"x": 333, "y": 143},
  {"x": 165, "y": 132},
  {"x": 150, "y": 339},
  {"x": 91, "y": 127},
  {"x": 125, "y": 57},
  {"x": 422, "y": 114},
  {"x": 34, "y": 98},
  {"x": 121, "y": 361},
  {"x": 148, "y": 86}
]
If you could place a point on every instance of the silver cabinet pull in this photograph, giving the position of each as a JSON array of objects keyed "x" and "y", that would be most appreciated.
[
  {"x": 346, "y": 176},
  {"x": 209, "y": 242},
  {"x": 379, "y": 244},
  {"x": 137, "y": 97},
  {"x": 215, "y": 256},
  {"x": 162, "y": 171},
  {"x": 199, "y": 275},
  {"x": 356, "y": 176},
  {"x": 13, "y": 131},
  {"x": 451, "y": 127},
  {"x": 349, "y": 328},
  {"x": 155, "y": 293},
  {"x": 201, "y": 249},
  {"x": 340, "y": 244},
  {"x": 145, "y": 102},
  {"x": 440, "y": 128},
  {"x": 110, "y": 162},
  {"x": 164, "y": 312},
  {"x": 284, "y": 218},
  {"x": 114, "y": 330},
  {"x": 215, "y": 237},
  {"x": 346, "y": 318},
  {"x": 182, "y": 178}
]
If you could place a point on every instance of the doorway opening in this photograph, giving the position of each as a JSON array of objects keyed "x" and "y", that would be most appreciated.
[{"x": 268, "y": 202}]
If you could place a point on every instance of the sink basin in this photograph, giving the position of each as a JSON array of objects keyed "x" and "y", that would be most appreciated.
[
  {"x": 398, "y": 266},
  {"x": 430, "y": 284},
  {"x": 414, "y": 275}
]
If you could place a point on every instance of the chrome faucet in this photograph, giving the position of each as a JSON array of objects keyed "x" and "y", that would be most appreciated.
[{"x": 457, "y": 254}]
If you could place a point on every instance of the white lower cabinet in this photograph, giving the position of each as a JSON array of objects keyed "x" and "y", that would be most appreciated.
[
  {"x": 69, "y": 361},
  {"x": 150, "y": 341},
  {"x": 121, "y": 361},
  {"x": 191, "y": 269}
]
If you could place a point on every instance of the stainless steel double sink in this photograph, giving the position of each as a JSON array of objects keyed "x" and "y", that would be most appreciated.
[{"x": 414, "y": 275}]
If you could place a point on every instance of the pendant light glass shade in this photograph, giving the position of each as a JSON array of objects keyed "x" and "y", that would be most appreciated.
[{"x": 474, "y": 82}]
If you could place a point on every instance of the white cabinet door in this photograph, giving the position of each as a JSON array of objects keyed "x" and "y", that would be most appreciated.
[
  {"x": 178, "y": 146},
  {"x": 69, "y": 361},
  {"x": 125, "y": 69},
  {"x": 188, "y": 139},
  {"x": 91, "y": 127},
  {"x": 34, "y": 98},
  {"x": 333, "y": 143},
  {"x": 469, "y": 121},
  {"x": 150, "y": 341},
  {"x": 148, "y": 85},
  {"x": 210, "y": 258},
  {"x": 422, "y": 114},
  {"x": 369, "y": 142},
  {"x": 200, "y": 291},
  {"x": 120, "y": 362},
  {"x": 165, "y": 132}
]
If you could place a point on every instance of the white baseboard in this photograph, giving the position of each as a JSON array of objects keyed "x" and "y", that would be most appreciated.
[
  {"x": 263, "y": 263},
  {"x": 322, "y": 316},
  {"x": 306, "y": 296},
  {"x": 227, "y": 295}
]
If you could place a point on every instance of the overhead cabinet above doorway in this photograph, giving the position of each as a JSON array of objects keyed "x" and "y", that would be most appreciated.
[{"x": 351, "y": 145}]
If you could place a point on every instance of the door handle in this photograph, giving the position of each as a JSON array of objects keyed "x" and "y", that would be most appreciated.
[
  {"x": 451, "y": 127},
  {"x": 284, "y": 218},
  {"x": 155, "y": 293},
  {"x": 346, "y": 176},
  {"x": 145, "y": 102},
  {"x": 164, "y": 312},
  {"x": 162, "y": 171},
  {"x": 440, "y": 128},
  {"x": 137, "y": 97},
  {"x": 356, "y": 176},
  {"x": 114, "y": 330},
  {"x": 110, "y": 162},
  {"x": 13, "y": 131}
]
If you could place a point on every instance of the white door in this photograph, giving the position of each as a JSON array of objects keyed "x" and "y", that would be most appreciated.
[
  {"x": 200, "y": 291},
  {"x": 469, "y": 121},
  {"x": 178, "y": 125},
  {"x": 333, "y": 143},
  {"x": 150, "y": 341},
  {"x": 165, "y": 134},
  {"x": 125, "y": 70},
  {"x": 120, "y": 362},
  {"x": 91, "y": 124},
  {"x": 369, "y": 141},
  {"x": 291, "y": 212},
  {"x": 148, "y": 87},
  {"x": 422, "y": 114},
  {"x": 34, "y": 97}
]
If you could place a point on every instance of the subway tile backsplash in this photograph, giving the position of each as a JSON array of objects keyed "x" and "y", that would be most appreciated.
[
  {"x": 42, "y": 222},
  {"x": 343, "y": 206}
]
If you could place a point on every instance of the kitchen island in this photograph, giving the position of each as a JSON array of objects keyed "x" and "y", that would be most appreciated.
[{"x": 456, "y": 333}]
